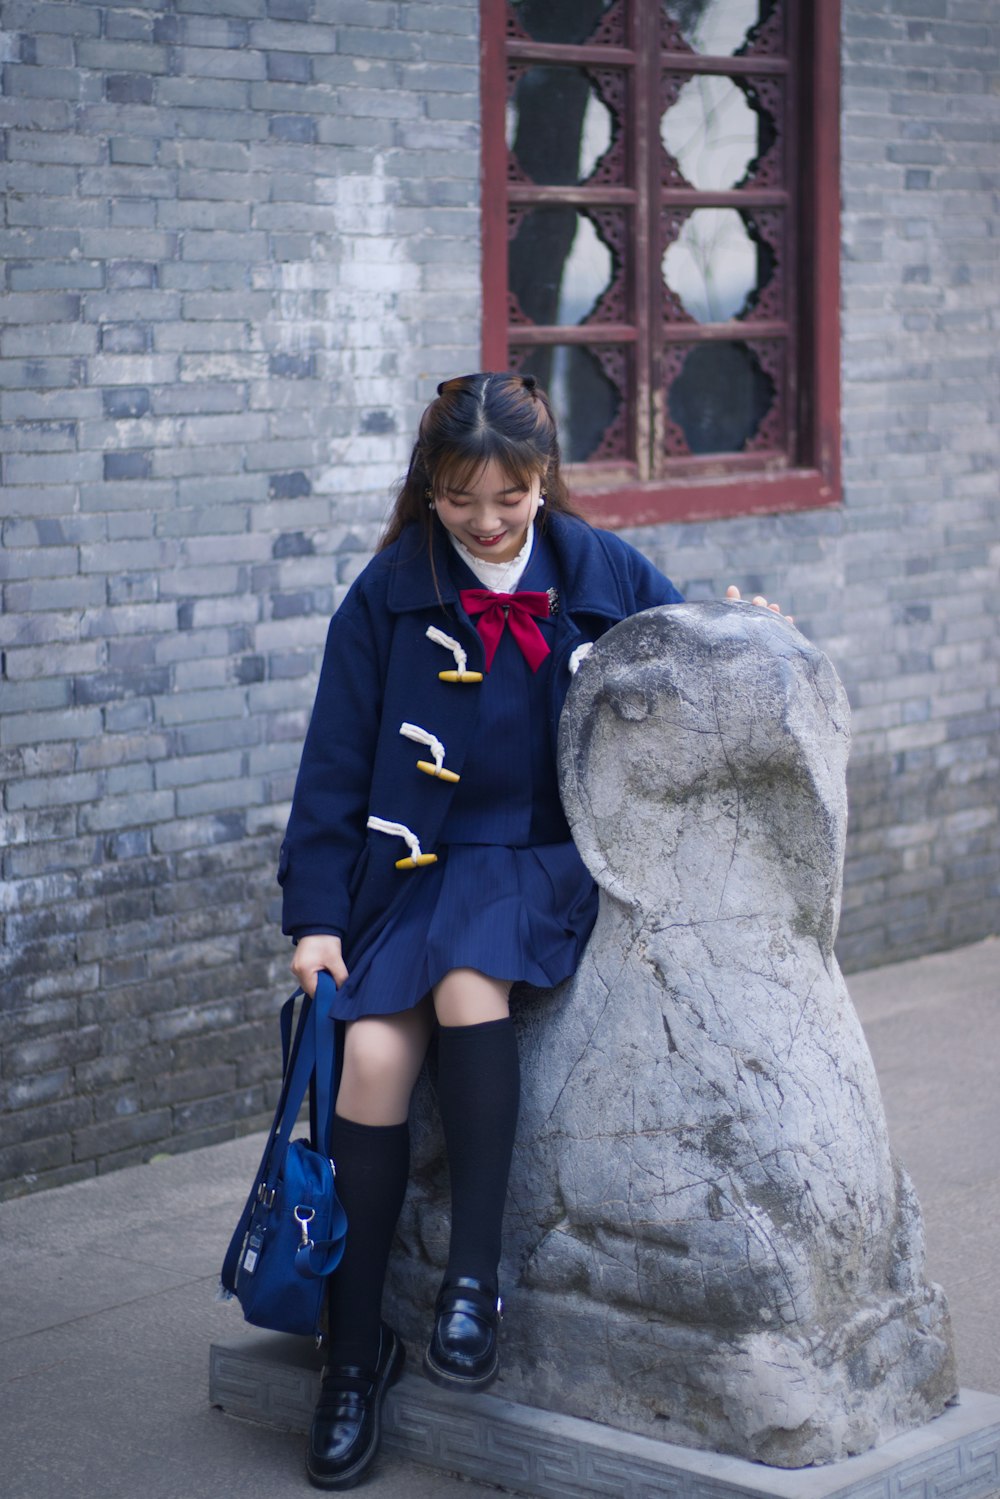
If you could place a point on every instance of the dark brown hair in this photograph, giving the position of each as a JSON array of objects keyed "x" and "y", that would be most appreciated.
[{"x": 474, "y": 419}]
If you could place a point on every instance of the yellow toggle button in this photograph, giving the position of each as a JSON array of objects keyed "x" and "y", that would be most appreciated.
[
  {"x": 460, "y": 676},
  {"x": 414, "y": 863},
  {"x": 430, "y": 769}
]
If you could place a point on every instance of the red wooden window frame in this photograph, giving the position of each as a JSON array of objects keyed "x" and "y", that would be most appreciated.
[{"x": 722, "y": 484}]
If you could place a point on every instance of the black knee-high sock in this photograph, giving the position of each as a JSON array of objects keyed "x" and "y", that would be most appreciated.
[
  {"x": 478, "y": 1094},
  {"x": 373, "y": 1165}
]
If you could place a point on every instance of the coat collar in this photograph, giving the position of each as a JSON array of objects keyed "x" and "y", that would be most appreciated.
[{"x": 591, "y": 583}]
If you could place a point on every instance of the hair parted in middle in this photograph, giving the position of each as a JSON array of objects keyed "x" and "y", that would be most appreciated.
[{"x": 476, "y": 418}]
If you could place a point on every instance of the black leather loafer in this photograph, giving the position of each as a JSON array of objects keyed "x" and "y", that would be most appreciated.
[
  {"x": 462, "y": 1353},
  {"x": 347, "y": 1424}
]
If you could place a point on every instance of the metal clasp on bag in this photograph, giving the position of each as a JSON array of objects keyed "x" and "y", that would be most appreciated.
[
  {"x": 303, "y": 1217},
  {"x": 264, "y": 1196}
]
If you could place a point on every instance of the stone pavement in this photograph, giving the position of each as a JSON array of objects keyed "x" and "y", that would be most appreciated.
[{"x": 108, "y": 1308}]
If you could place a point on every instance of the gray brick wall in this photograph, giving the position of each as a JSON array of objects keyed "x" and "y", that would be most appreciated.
[{"x": 241, "y": 247}]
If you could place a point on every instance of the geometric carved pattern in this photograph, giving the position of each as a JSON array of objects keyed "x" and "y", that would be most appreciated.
[
  {"x": 614, "y": 362},
  {"x": 611, "y": 30},
  {"x": 612, "y": 226},
  {"x": 610, "y": 89},
  {"x": 274, "y": 1380},
  {"x": 671, "y": 39},
  {"x": 768, "y": 38},
  {"x": 266, "y": 1382},
  {"x": 769, "y": 93},
  {"x": 670, "y": 87},
  {"x": 768, "y": 226},
  {"x": 770, "y": 355},
  {"x": 674, "y": 440}
]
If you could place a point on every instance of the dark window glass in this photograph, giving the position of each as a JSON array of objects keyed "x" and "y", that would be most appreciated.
[
  {"x": 720, "y": 398},
  {"x": 585, "y": 400},
  {"x": 566, "y": 21},
  {"x": 558, "y": 126},
  {"x": 560, "y": 267}
]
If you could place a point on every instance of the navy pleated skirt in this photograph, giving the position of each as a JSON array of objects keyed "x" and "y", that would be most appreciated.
[{"x": 512, "y": 913}]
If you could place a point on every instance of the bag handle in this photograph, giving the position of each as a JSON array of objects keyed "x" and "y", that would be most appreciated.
[
  {"x": 325, "y": 1045},
  {"x": 325, "y": 1053},
  {"x": 309, "y": 1054}
]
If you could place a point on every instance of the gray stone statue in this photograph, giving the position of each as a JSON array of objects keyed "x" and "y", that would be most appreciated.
[{"x": 708, "y": 1239}]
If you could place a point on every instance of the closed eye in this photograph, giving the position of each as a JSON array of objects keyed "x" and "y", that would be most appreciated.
[{"x": 509, "y": 501}]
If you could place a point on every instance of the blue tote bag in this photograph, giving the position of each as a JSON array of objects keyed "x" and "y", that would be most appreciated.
[{"x": 291, "y": 1232}]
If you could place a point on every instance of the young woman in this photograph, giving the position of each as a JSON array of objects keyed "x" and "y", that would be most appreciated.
[{"x": 428, "y": 865}]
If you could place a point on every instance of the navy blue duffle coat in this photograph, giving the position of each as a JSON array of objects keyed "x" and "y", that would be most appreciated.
[{"x": 380, "y": 670}]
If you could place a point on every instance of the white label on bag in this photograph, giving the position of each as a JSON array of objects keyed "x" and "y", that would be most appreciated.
[{"x": 252, "y": 1253}]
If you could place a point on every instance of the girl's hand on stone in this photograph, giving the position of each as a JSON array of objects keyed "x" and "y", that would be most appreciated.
[
  {"x": 312, "y": 955},
  {"x": 732, "y": 592}
]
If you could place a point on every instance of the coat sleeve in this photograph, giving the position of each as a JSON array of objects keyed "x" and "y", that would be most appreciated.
[
  {"x": 327, "y": 825},
  {"x": 652, "y": 587},
  {"x": 644, "y": 586}
]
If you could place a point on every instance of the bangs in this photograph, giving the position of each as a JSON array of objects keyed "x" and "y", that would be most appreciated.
[{"x": 456, "y": 470}]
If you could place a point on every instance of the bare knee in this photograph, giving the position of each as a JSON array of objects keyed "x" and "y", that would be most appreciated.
[
  {"x": 467, "y": 997},
  {"x": 382, "y": 1060}
]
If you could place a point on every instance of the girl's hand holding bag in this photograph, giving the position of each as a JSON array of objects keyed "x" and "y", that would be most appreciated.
[{"x": 291, "y": 1233}]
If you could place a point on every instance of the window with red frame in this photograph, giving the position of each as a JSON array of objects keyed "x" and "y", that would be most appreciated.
[{"x": 660, "y": 244}]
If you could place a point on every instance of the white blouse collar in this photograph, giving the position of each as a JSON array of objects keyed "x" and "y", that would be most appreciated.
[{"x": 498, "y": 577}]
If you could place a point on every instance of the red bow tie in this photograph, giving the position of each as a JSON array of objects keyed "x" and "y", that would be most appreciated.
[{"x": 519, "y": 610}]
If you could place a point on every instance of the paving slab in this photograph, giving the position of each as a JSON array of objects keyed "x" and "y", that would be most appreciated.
[{"x": 109, "y": 1309}]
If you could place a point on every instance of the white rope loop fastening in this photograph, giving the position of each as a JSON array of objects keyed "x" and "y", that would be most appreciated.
[
  {"x": 424, "y": 736},
  {"x": 409, "y": 837},
  {"x": 450, "y": 644},
  {"x": 460, "y": 671}
]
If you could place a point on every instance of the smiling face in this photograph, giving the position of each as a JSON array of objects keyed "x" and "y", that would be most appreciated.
[{"x": 489, "y": 512}]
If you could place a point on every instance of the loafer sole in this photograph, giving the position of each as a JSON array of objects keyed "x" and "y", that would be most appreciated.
[{"x": 447, "y": 1379}]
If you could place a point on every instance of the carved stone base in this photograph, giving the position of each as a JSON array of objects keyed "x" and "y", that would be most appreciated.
[
  {"x": 275, "y": 1380},
  {"x": 764, "y": 1396}
]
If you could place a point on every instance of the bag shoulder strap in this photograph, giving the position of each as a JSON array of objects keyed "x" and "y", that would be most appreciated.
[
  {"x": 306, "y": 1056},
  {"x": 325, "y": 1051}
]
